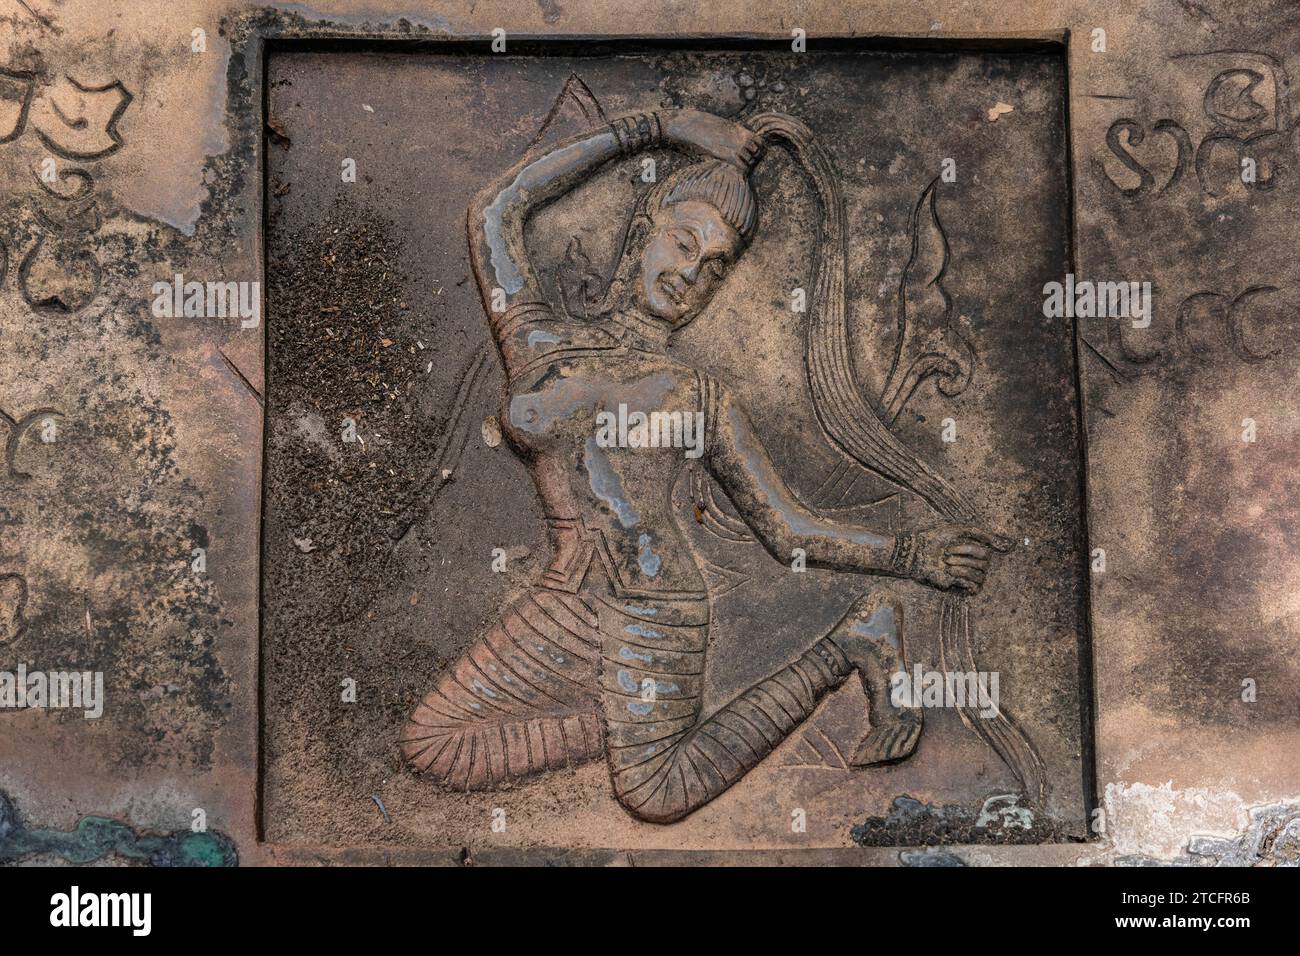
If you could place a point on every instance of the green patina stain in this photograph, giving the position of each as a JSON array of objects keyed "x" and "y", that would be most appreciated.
[{"x": 94, "y": 837}]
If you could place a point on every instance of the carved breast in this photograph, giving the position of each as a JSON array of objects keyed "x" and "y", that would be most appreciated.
[{"x": 607, "y": 438}]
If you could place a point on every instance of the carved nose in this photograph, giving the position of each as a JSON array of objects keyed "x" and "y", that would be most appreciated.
[{"x": 691, "y": 271}]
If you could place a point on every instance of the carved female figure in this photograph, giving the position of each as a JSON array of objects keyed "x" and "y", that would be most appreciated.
[{"x": 604, "y": 656}]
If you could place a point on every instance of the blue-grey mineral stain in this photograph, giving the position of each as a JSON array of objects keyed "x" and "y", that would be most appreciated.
[
  {"x": 881, "y": 626},
  {"x": 606, "y": 486},
  {"x": 646, "y": 558}
]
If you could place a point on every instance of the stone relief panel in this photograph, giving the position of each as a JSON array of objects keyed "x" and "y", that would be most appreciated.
[{"x": 691, "y": 487}]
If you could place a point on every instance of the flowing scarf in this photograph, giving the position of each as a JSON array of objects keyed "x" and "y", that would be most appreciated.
[{"x": 857, "y": 431}]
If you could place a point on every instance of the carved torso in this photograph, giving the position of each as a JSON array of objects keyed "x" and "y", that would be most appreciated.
[{"x": 606, "y": 503}]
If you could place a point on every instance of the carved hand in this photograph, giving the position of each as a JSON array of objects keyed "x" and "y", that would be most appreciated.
[
  {"x": 956, "y": 556},
  {"x": 713, "y": 135}
]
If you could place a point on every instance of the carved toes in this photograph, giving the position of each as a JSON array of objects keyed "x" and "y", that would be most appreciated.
[{"x": 893, "y": 741}]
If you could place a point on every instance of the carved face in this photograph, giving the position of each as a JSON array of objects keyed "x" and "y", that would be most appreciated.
[{"x": 687, "y": 256}]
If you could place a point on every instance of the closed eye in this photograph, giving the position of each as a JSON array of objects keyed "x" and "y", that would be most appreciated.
[{"x": 685, "y": 241}]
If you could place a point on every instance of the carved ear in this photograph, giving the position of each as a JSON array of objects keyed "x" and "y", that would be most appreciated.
[
  {"x": 585, "y": 293},
  {"x": 634, "y": 239},
  {"x": 581, "y": 287},
  {"x": 639, "y": 227}
]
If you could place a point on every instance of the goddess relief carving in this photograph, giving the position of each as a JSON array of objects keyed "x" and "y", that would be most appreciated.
[{"x": 603, "y": 657}]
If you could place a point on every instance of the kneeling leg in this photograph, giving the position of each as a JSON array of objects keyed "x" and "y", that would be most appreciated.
[
  {"x": 520, "y": 701},
  {"x": 666, "y": 762}
]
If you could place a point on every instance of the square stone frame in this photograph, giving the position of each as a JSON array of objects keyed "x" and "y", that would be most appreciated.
[
  {"x": 1204, "y": 565},
  {"x": 268, "y": 42}
]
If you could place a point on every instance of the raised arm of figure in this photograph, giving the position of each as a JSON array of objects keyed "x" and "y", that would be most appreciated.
[{"x": 500, "y": 211}]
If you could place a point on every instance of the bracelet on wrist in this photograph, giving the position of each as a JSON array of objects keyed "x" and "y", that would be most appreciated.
[
  {"x": 637, "y": 132},
  {"x": 906, "y": 557}
]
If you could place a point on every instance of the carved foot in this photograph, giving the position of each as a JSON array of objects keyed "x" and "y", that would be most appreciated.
[
  {"x": 871, "y": 637},
  {"x": 894, "y": 740}
]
